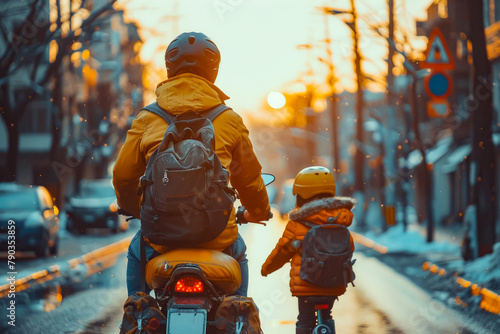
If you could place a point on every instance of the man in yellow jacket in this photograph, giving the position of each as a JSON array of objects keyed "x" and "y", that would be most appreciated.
[{"x": 192, "y": 62}]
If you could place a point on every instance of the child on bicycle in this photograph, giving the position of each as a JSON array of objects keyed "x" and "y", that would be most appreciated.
[{"x": 314, "y": 188}]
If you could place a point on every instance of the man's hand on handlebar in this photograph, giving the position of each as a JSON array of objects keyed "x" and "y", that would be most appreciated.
[
  {"x": 244, "y": 217},
  {"x": 123, "y": 212}
]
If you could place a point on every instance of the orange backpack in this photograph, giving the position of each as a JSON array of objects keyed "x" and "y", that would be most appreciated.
[
  {"x": 140, "y": 310},
  {"x": 237, "y": 312}
]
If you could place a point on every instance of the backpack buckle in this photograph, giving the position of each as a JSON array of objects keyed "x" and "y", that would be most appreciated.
[
  {"x": 165, "y": 178},
  {"x": 332, "y": 220},
  {"x": 143, "y": 180},
  {"x": 239, "y": 325}
]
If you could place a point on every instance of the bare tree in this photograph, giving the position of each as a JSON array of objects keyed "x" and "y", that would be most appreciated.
[{"x": 27, "y": 33}]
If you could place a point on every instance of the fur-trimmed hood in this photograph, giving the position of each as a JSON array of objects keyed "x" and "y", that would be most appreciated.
[{"x": 326, "y": 205}]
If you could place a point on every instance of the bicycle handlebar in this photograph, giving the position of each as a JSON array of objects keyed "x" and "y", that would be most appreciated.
[
  {"x": 240, "y": 217},
  {"x": 126, "y": 213}
]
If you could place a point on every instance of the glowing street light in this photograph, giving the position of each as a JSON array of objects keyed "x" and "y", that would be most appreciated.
[{"x": 276, "y": 100}]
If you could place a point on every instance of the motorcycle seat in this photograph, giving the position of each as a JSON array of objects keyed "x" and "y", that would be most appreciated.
[{"x": 220, "y": 269}]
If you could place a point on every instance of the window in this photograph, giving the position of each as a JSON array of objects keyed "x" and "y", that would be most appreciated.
[
  {"x": 24, "y": 200},
  {"x": 36, "y": 118}
]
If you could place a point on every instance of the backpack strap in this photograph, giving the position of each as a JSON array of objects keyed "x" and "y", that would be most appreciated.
[
  {"x": 157, "y": 110},
  {"x": 143, "y": 263},
  {"x": 216, "y": 111},
  {"x": 330, "y": 221},
  {"x": 169, "y": 118},
  {"x": 307, "y": 223}
]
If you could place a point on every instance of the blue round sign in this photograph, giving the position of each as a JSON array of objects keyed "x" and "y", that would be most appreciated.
[{"x": 439, "y": 84}]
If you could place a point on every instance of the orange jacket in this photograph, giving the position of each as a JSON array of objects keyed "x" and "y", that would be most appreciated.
[
  {"x": 177, "y": 95},
  {"x": 316, "y": 212}
]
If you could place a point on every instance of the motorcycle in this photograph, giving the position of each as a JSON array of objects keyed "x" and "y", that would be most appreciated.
[{"x": 189, "y": 284}]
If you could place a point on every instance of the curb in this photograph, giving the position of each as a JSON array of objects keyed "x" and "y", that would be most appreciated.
[
  {"x": 490, "y": 301},
  {"x": 76, "y": 269},
  {"x": 414, "y": 310}
]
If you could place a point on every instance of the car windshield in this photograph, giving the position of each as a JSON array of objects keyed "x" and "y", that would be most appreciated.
[
  {"x": 25, "y": 200},
  {"x": 96, "y": 190}
]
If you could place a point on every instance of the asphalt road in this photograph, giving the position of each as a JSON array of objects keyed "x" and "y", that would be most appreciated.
[
  {"x": 382, "y": 301},
  {"x": 353, "y": 313}
]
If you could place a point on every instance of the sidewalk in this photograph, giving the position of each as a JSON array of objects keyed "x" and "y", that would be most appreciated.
[{"x": 408, "y": 251}]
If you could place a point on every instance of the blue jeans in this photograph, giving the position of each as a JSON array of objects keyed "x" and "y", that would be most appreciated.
[{"x": 237, "y": 250}]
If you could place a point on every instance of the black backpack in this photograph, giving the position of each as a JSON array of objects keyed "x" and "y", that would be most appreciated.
[
  {"x": 327, "y": 255},
  {"x": 186, "y": 199}
]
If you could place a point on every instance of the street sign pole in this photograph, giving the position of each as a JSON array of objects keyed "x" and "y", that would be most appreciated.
[
  {"x": 483, "y": 178},
  {"x": 438, "y": 85}
]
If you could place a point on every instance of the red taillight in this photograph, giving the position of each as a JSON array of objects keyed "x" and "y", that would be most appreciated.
[
  {"x": 154, "y": 323},
  {"x": 189, "y": 284},
  {"x": 322, "y": 307}
]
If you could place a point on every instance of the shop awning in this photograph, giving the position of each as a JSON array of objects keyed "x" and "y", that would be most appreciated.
[
  {"x": 458, "y": 155},
  {"x": 433, "y": 155}
]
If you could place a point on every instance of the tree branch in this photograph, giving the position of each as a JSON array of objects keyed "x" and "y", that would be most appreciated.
[{"x": 70, "y": 38}]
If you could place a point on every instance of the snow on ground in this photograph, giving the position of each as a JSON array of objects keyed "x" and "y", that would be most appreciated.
[
  {"x": 411, "y": 241},
  {"x": 395, "y": 238}
]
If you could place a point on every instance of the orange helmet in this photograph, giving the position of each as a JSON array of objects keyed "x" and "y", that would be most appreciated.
[{"x": 312, "y": 181}]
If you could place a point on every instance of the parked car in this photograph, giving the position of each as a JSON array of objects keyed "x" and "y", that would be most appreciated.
[
  {"x": 287, "y": 200},
  {"x": 94, "y": 206},
  {"x": 34, "y": 217}
]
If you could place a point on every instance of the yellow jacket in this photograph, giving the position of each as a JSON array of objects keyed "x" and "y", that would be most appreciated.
[{"x": 177, "y": 95}]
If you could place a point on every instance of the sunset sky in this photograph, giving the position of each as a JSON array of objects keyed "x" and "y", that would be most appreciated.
[{"x": 258, "y": 40}]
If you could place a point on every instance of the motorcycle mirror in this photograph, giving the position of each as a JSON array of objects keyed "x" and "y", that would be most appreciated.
[{"x": 268, "y": 178}]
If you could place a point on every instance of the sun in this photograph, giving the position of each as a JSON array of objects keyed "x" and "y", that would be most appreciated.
[{"x": 276, "y": 100}]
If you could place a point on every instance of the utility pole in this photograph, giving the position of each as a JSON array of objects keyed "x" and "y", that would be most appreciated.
[
  {"x": 425, "y": 172},
  {"x": 359, "y": 158},
  {"x": 334, "y": 145},
  {"x": 426, "y": 177},
  {"x": 389, "y": 166},
  {"x": 311, "y": 125},
  {"x": 390, "y": 60},
  {"x": 482, "y": 168},
  {"x": 57, "y": 98}
]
